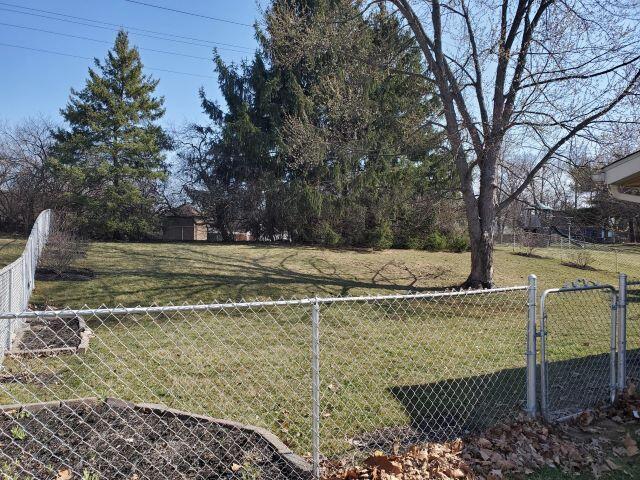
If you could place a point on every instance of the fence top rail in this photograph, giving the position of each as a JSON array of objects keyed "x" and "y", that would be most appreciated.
[
  {"x": 68, "y": 313},
  {"x": 12, "y": 265},
  {"x": 28, "y": 244},
  {"x": 579, "y": 288}
]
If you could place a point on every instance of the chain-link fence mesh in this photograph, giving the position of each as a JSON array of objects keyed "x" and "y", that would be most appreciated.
[
  {"x": 633, "y": 327},
  {"x": 249, "y": 364},
  {"x": 432, "y": 368},
  {"x": 577, "y": 349},
  {"x": 269, "y": 389},
  {"x": 17, "y": 279},
  {"x": 396, "y": 369},
  {"x": 572, "y": 252}
]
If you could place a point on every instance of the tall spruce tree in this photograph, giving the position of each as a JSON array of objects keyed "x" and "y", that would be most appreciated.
[
  {"x": 112, "y": 154},
  {"x": 325, "y": 136}
]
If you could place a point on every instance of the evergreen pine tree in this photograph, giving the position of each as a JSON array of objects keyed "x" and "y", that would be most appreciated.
[
  {"x": 325, "y": 137},
  {"x": 112, "y": 154}
]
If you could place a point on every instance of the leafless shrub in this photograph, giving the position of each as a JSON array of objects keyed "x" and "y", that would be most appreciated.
[
  {"x": 582, "y": 259},
  {"x": 530, "y": 243},
  {"x": 64, "y": 246}
]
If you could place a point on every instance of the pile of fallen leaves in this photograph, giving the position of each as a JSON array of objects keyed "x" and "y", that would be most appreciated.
[{"x": 595, "y": 441}]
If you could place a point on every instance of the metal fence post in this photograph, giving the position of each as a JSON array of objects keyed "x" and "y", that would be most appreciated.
[
  {"x": 614, "y": 335},
  {"x": 315, "y": 388},
  {"x": 11, "y": 307},
  {"x": 531, "y": 347},
  {"x": 622, "y": 331},
  {"x": 544, "y": 407},
  {"x": 25, "y": 284}
]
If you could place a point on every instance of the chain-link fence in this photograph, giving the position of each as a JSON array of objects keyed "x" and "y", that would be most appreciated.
[
  {"x": 271, "y": 390},
  {"x": 571, "y": 252},
  {"x": 632, "y": 310},
  {"x": 329, "y": 377},
  {"x": 578, "y": 348},
  {"x": 17, "y": 279}
]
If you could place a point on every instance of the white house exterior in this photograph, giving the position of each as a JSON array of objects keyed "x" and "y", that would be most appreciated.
[{"x": 623, "y": 173}]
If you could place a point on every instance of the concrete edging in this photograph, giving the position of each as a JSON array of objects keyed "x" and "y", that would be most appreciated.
[
  {"x": 85, "y": 337},
  {"x": 295, "y": 461}
]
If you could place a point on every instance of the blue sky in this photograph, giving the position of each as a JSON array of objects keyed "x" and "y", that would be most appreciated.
[{"x": 36, "y": 83}]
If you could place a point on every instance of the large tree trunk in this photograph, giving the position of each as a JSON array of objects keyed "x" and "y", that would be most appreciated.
[
  {"x": 481, "y": 218},
  {"x": 481, "y": 275}
]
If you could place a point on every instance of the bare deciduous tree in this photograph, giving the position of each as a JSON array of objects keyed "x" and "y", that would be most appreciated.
[
  {"x": 26, "y": 184},
  {"x": 535, "y": 72}
]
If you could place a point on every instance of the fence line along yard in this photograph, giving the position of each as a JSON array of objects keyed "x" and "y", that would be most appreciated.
[
  {"x": 328, "y": 376},
  {"x": 206, "y": 391},
  {"x": 272, "y": 389},
  {"x": 572, "y": 252},
  {"x": 18, "y": 278},
  {"x": 218, "y": 390}
]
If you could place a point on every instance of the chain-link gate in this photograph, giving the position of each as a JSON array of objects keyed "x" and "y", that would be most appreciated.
[
  {"x": 632, "y": 311},
  {"x": 578, "y": 348}
]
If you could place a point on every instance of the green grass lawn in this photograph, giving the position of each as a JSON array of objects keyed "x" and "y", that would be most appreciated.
[
  {"x": 454, "y": 364},
  {"x": 145, "y": 273},
  {"x": 10, "y": 249},
  {"x": 447, "y": 365},
  {"x": 619, "y": 258}
]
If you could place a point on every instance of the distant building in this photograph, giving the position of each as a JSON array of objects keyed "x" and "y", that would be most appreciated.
[
  {"x": 184, "y": 224},
  {"x": 536, "y": 219},
  {"x": 237, "y": 236}
]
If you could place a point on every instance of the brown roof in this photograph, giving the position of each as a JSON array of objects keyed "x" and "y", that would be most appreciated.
[{"x": 185, "y": 210}]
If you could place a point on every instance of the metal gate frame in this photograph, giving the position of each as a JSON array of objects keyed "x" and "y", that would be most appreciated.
[
  {"x": 617, "y": 342},
  {"x": 624, "y": 291}
]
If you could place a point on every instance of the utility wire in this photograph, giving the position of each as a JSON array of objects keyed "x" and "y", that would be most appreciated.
[
  {"x": 193, "y": 14},
  {"x": 124, "y": 26},
  {"x": 201, "y": 43},
  {"x": 98, "y": 41},
  {"x": 52, "y": 52}
]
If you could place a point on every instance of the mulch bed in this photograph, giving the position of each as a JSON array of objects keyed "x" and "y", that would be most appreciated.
[
  {"x": 116, "y": 441},
  {"x": 580, "y": 266},
  {"x": 72, "y": 274},
  {"x": 50, "y": 333}
]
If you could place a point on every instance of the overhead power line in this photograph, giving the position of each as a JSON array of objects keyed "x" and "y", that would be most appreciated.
[
  {"x": 64, "y": 54},
  {"x": 193, "y": 14},
  {"x": 175, "y": 37},
  {"x": 98, "y": 40}
]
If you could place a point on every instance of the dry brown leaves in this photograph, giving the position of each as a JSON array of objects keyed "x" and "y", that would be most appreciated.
[
  {"x": 511, "y": 449},
  {"x": 433, "y": 460}
]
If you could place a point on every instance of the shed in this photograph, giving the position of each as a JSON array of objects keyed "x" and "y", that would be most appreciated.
[{"x": 184, "y": 224}]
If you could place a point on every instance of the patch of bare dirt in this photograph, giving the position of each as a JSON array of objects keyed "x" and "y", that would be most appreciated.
[
  {"x": 120, "y": 443},
  {"x": 43, "y": 333},
  {"x": 71, "y": 274}
]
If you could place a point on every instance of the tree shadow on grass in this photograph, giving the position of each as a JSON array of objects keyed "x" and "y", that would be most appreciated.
[
  {"x": 455, "y": 408},
  {"x": 239, "y": 277}
]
